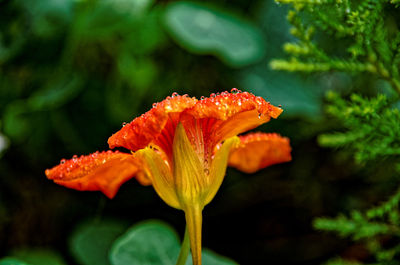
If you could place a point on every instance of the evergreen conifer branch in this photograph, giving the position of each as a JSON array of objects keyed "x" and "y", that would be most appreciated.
[
  {"x": 372, "y": 49},
  {"x": 339, "y": 261},
  {"x": 379, "y": 221},
  {"x": 372, "y": 127},
  {"x": 367, "y": 41}
]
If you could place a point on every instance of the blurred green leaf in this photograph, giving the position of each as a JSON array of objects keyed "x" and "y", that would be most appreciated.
[
  {"x": 154, "y": 242},
  {"x": 12, "y": 261},
  {"x": 211, "y": 258},
  {"x": 4, "y": 143},
  {"x": 205, "y": 30},
  {"x": 150, "y": 242},
  {"x": 56, "y": 93},
  {"x": 138, "y": 73},
  {"x": 49, "y": 17},
  {"x": 8, "y": 50},
  {"x": 39, "y": 256},
  {"x": 17, "y": 122},
  {"x": 147, "y": 36},
  {"x": 100, "y": 19},
  {"x": 299, "y": 96},
  {"x": 91, "y": 242},
  {"x": 296, "y": 95}
]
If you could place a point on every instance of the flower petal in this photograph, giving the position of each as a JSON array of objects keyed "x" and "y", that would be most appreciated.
[
  {"x": 230, "y": 114},
  {"x": 189, "y": 172},
  {"x": 103, "y": 171},
  {"x": 161, "y": 176},
  {"x": 146, "y": 128},
  {"x": 225, "y": 105},
  {"x": 260, "y": 150},
  {"x": 218, "y": 166}
]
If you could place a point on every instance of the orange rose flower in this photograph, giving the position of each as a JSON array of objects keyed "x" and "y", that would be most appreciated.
[{"x": 182, "y": 147}]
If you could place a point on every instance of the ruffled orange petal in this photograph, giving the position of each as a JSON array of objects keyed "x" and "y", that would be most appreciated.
[
  {"x": 102, "y": 171},
  {"x": 226, "y": 105},
  {"x": 146, "y": 128},
  {"x": 226, "y": 115},
  {"x": 260, "y": 150}
]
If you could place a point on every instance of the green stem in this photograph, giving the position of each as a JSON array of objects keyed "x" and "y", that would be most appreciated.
[
  {"x": 193, "y": 221},
  {"x": 184, "y": 253}
]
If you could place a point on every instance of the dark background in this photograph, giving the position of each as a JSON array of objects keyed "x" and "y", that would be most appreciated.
[{"x": 71, "y": 72}]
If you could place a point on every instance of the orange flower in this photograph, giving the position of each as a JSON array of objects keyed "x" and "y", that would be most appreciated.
[{"x": 182, "y": 147}]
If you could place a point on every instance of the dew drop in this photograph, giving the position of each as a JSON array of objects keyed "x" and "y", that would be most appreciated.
[
  {"x": 155, "y": 105},
  {"x": 259, "y": 115},
  {"x": 202, "y": 97},
  {"x": 124, "y": 123},
  {"x": 62, "y": 161},
  {"x": 206, "y": 171},
  {"x": 279, "y": 106},
  {"x": 234, "y": 91},
  {"x": 175, "y": 94},
  {"x": 213, "y": 95},
  {"x": 74, "y": 158}
]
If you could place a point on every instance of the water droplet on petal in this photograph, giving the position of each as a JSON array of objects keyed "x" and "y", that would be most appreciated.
[
  {"x": 213, "y": 95},
  {"x": 155, "y": 105},
  {"x": 202, "y": 97},
  {"x": 206, "y": 171},
  {"x": 62, "y": 161},
  {"x": 175, "y": 94},
  {"x": 124, "y": 123},
  {"x": 234, "y": 91}
]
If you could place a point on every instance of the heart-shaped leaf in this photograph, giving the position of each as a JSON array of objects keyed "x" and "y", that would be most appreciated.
[
  {"x": 91, "y": 242},
  {"x": 155, "y": 243},
  {"x": 11, "y": 261},
  {"x": 205, "y": 30}
]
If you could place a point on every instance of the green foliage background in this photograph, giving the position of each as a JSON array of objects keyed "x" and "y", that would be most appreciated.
[{"x": 72, "y": 71}]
